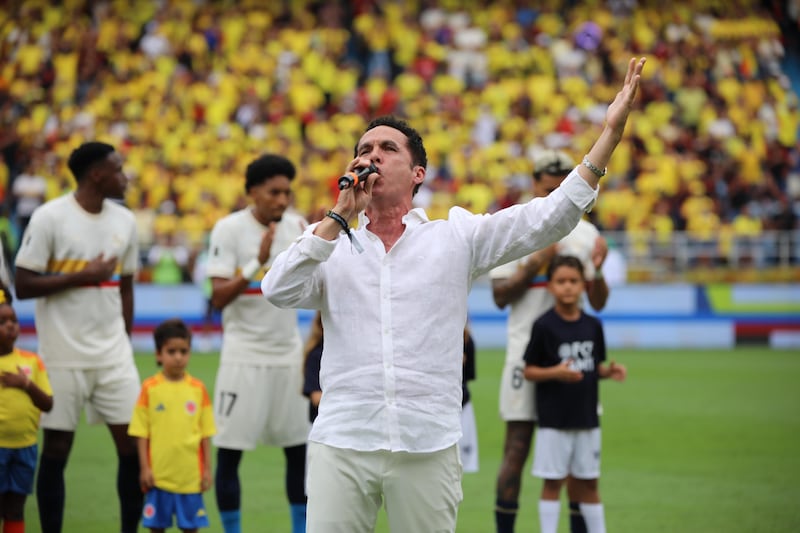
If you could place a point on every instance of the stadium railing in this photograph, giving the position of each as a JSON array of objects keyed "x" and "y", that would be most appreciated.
[{"x": 771, "y": 256}]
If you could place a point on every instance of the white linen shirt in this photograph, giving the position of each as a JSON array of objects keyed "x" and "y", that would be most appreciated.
[{"x": 394, "y": 321}]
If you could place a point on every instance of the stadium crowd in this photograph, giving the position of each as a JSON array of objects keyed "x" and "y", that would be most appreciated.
[{"x": 192, "y": 91}]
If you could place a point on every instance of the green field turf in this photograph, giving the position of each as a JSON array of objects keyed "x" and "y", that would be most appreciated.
[{"x": 694, "y": 441}]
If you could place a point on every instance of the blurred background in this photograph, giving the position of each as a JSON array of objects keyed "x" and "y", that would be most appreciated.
[{"x": 704, "y": 188}]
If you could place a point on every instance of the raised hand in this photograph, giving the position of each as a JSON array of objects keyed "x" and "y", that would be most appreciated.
[
  {"x": 353, "y": 200},
  {"x": 620, "y": 108},
  {"x": 266, "y": 243}
]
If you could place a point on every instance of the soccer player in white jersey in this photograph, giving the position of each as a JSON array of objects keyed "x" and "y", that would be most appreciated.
[
  {"x": 522, "y": 284},
  {"x": 78, "y": 258},
  {"x": 258, "y": 394}
]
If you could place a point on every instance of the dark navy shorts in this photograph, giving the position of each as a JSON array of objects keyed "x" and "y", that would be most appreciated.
[
  {"x": 17, "y": 468},
  {"x": 160, "y": 506}
]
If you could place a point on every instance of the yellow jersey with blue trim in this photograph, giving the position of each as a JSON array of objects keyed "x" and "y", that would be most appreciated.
[
  {"x": 81, "y": 327},
  {"x": 19, "y": 418},
  {"x": 175, "y": 416}
]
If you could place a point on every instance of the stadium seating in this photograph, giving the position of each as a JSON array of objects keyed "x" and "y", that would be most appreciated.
[{"x": 191, "y": 91}]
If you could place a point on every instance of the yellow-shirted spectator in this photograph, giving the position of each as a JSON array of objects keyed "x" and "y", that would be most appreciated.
[
  {"x": 788, "y": 123},
  {"x": 663, "y": 228},
  {"x": 194, "y": 227},
  {"x": 474, "y": 194},
  {"x": 29, "y": 58},
  {"x": 746, "y": 225},
  {"x": 614, "y": 205},
  {"x": 697, "y": 202},
  {"x": 703, "y": 224},
  {"x": 691, "y": 168},
  {"x": 750, "y": 164},
  {"x": 659, "y": 175},
  {"x": 541, "y": 90},
  {"x": 745, "y": 237}
]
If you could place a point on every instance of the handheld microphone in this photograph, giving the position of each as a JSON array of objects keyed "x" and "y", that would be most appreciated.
[{"x": 351, "y": 179}]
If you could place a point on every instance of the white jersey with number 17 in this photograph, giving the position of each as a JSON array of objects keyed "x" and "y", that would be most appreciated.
[{"x": 254, "y": 330}]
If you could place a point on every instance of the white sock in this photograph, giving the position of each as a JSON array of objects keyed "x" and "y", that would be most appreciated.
[
  {"x": 594, "y": 517},
  {"x": 548, "y": 515}
]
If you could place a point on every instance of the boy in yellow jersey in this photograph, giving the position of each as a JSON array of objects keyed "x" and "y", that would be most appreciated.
[
  {"x": 24, "y": 393},
  {"x": 173, "y": 421}
]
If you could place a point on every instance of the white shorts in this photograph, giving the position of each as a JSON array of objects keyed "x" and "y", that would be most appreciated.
[
  {"x": 108, "y": 394},
  {"x": 468, "y": 445},
  {"x": 346, "y": 488},
  {"x": 517, "y": 394},
  {"x": 562, "y": 452},
  {"x": 260, "y": 405}
]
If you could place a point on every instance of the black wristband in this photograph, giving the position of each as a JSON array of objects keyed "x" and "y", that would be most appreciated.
[
  {"x": 340, "y": 219},
  {"x": 346, "y": 227}
]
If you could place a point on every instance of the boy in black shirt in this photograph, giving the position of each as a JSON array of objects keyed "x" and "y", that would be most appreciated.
[{"x": 566, "y": 358}]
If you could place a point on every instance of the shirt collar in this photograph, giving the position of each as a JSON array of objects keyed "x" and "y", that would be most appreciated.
[{"x": 414, "y": 217}]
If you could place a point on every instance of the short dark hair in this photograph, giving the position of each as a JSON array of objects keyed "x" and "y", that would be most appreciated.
[
  {"x": 413, "y": 140},
  {"x": 267, "y": 167},
  {"x": 173, "y": 328},
  {"x": 565, "y": 260},
  {"x": 86, "y": 156}
]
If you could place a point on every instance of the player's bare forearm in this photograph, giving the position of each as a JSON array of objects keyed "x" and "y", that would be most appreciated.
[
  {"x": 226, "y": 290},
  {"x": 510, "y": 289},
  {"x": 597, "y": 293},
  {"x": 30, "y": 284},
  {"x": 505, "y": 291},
  {"x": 126, "y": 294}
]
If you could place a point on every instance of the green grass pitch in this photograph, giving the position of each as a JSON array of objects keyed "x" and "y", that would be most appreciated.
[{"x": 693, "y": 441}]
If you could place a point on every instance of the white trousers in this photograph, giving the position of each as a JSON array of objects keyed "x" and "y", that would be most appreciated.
[{"x": 347, "y": 487}]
